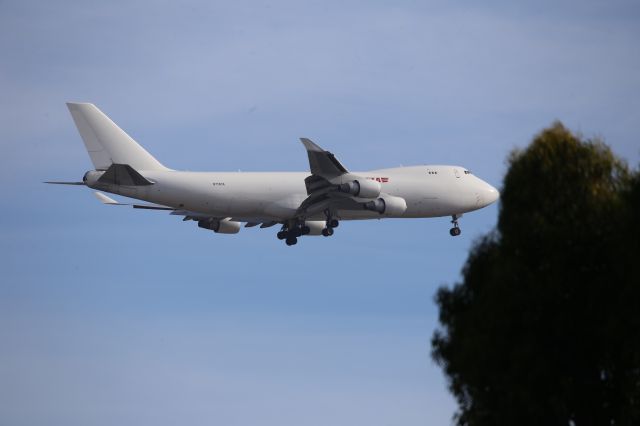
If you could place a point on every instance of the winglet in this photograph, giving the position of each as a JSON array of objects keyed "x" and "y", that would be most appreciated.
[
  {"x": 322, "y": 163},
  {"x": 310, "y": 146}
]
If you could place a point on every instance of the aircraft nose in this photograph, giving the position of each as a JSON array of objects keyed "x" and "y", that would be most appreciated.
[
  {"x": 485, "y": 194},
  {"x": 490, "y": 194}
]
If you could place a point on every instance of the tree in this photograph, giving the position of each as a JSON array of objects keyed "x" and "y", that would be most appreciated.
[{"x": 544, "y": 328}]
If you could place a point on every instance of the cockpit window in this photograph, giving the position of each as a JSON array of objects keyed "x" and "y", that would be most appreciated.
[{"x": 467, "y": 172}]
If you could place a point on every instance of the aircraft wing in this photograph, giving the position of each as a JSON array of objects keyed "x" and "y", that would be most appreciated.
[
  {"x": 324, "y": 187},
  {"x": 322, "y": 163}
]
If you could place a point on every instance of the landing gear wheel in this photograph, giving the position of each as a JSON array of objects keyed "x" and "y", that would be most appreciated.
[
  {"x": 305, "y": 230},
  {"x": 327, "y": 232},
  {"x": 330, "y": 222},
  {"x": 282, "y": 235},
  {"x": 455, "y": 231},
  {"x": 294, "y": 232},
  {"x": 291, "y": 241}
]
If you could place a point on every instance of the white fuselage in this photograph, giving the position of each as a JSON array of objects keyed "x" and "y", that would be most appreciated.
[
  {"x": 304, "y": 203},
  {"x": 429, "y": 191}
]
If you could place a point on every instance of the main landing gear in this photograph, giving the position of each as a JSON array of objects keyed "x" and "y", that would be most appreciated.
[
  {"x": 291, "y": 232},
  {"x": 294, "y": 229},
  {"x": 455, "y": 231},
  {"x": 330, "y": 224}
]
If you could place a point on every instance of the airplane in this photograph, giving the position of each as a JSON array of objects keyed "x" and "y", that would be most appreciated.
[{"x": 302, "y": 203}]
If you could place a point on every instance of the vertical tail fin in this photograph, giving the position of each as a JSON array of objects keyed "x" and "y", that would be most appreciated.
[{"x": 106, "y": 142}]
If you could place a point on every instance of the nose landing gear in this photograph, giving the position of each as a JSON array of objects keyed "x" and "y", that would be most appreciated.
[{"x": 455, "y": 231}]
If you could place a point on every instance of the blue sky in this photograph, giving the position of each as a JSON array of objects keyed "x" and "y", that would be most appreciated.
[{"x": 109, "y": 315}]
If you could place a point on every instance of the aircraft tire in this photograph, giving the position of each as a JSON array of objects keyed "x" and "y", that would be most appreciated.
[{"x": 291, "y": 241}]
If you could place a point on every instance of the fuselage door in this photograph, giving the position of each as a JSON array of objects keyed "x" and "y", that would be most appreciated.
[{"x": 456, "y": 172}]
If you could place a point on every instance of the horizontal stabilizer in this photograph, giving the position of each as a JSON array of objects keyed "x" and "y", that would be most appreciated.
[
  {"x": 107, "y": 200},
  {"x": 65, "y": 183},
  {"x": 104, "y": 199}
]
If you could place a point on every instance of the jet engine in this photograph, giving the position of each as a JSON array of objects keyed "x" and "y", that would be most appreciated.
[
  {"x": 387, "y": 205},
  {"x": 224, "y": 226},
  {"x": 365, "y": 188},
  {"x": 316, "y": 226}
]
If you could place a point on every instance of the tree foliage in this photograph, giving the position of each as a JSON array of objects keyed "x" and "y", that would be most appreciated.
[{"x": 544, "y": 328}]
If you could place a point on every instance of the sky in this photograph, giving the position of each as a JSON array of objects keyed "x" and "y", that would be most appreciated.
[{"x": 115, "y": 316}]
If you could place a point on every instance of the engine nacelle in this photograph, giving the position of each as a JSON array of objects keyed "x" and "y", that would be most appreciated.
[
  {"x": 387, "y": 205},
  {"x": 316, "y": 226},
  {"x": 364, "y": 188},
  {"x": 224, "y": 226}
]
